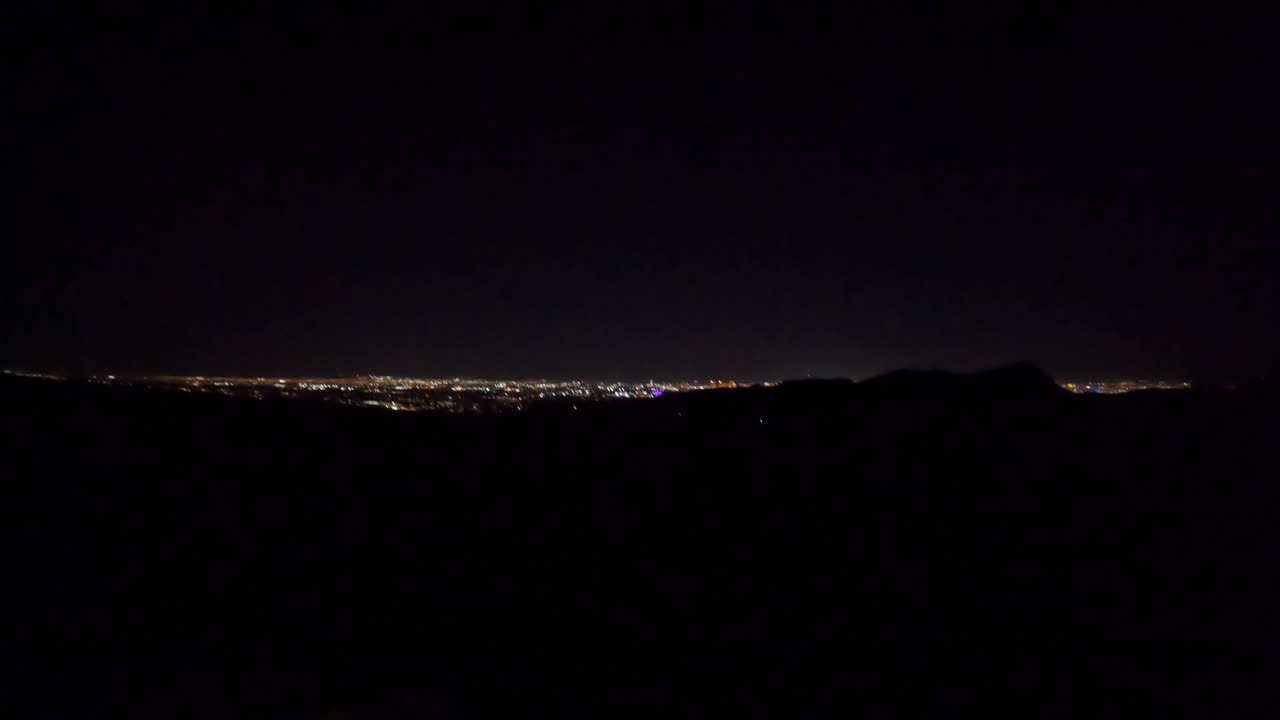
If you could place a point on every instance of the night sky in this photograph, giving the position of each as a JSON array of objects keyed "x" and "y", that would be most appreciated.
[{"x": 638, "y": 192}]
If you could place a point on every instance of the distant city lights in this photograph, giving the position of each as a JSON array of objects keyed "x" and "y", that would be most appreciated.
[
  {"x": 446, "y": 395},
  {"x": 479, "y": 396}
]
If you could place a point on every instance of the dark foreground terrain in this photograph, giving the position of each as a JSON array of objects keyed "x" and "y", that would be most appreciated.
[{"x": 916, "y": 544}]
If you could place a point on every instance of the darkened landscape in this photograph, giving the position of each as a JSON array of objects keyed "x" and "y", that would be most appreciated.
[
  {"x": 917, "y": 542},
  {"x": 640, "y": 360}
]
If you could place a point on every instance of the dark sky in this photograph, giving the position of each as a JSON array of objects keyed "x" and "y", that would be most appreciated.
[{"x": 638, "y": 191}]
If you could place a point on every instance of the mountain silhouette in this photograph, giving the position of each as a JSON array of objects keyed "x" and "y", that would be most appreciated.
[{"x": 918, "y": 543}]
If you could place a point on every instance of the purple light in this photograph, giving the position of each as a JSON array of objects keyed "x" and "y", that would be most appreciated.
[{"x": 657, "y": 393}]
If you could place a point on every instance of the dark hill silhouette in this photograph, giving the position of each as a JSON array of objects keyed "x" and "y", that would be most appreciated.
[
  {"x": 1021, "y": 381},
  {"x": 914, "y": 544}
]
